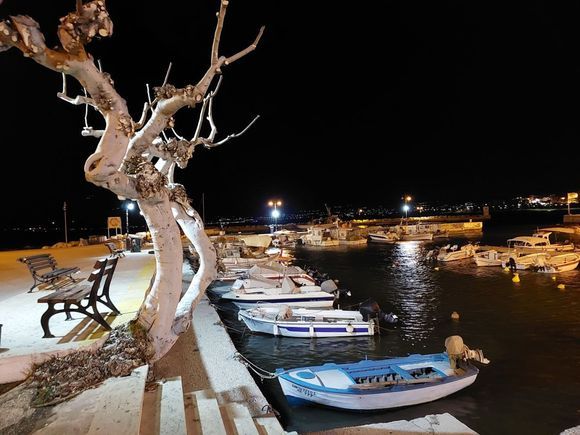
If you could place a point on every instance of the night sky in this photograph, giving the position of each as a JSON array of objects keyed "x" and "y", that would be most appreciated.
[{"x": 444, "y": 100}]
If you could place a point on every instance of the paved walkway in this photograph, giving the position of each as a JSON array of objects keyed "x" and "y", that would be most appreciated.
[{"x": 22, "y": 342}]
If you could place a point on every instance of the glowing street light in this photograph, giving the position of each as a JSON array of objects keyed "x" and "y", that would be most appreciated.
[
  {"x": 130, "y": 206},
  {"x": 406, "y": 207},
  {"x": 275, "y": 213}
]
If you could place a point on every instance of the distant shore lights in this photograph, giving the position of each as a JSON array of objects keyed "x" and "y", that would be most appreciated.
[{"x": 275, "y": 213}]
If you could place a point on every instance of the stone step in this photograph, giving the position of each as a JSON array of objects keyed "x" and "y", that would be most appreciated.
[
  {"x": 269, "y": 426},
  {"x": 172, "y": 408},
  {"x": 240, "y": 419},
  {"x": 210, "y": 417},
  {"x": 120, "y": 403}
]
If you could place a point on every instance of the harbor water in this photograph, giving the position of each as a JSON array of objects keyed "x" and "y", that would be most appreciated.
[{"x": 529, "y": 330}]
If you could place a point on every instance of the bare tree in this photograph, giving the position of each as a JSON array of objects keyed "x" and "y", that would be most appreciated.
[{"x": 136, "y": 159}]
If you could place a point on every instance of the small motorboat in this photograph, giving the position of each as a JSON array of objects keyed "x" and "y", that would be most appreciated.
[
  {"x": 452, "y": 253},
  {"x": 557, "y": 263},
  {"x": 524, "y": 262},
  {"x": 285, "y": 294},
  {"x": 308, "y": 323},
  {"x": 384, "y": 237},
  {"x": 383, "y": 384},
  {"x": 489, "y": 258}
]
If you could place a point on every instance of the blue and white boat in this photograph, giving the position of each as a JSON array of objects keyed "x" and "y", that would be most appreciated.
[
  {"x": 380, "y": 384},
  {"x": 306, "y": 323}
]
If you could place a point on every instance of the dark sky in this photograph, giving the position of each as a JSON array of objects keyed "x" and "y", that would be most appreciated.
[{"x": 444, "y": 100}]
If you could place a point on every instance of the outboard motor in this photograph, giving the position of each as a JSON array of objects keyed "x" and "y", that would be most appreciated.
[
  {"x": 391, "y": 318},
  {"x": 371, "y": 310},
  {"x": 328, "y": 286}
]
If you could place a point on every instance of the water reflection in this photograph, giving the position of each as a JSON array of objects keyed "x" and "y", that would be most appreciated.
[{"x": 411, "y": 279}]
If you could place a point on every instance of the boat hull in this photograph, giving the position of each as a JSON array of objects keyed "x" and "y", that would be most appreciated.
[
  {"x": 307, "y": 300},
  {"x": 417, "y": 237},
  {"x": 559, "y": 268},
  {"x": 307, "y": 329},
  {"x": 384, "y": 399}
]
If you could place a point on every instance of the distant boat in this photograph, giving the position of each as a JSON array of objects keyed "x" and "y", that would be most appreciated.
[
  {"x": 539, "y": 242},
  {"x": 384, "y": 237},
  {"x": 416, "y": 236},
  {"x": 557, "y": 263},
  {"x": 382, "y": 384},
  {"x": 489, "y": 258},
  {"x": 306, "y": 323},
  {"x": 447, "y": 253}
]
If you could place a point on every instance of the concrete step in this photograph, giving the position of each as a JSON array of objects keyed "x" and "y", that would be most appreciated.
[
  {"x": 269, "y": 426},
  {"x": 240, "y": 419},
  {"x": 120, "y": 404},
  {"x": 210, "y": 417},
  {"x": 172, "y": 408},
  {"x": 442, "y": 423}
]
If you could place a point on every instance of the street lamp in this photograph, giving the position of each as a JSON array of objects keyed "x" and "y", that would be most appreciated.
[
  {"x": 275, "y": 213},
  {"x": 130, "y": 206},
  {"x": 406, "y": 207}
]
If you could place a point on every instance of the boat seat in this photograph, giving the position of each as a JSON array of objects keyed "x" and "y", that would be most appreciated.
[{"x": 402, "y": 373}]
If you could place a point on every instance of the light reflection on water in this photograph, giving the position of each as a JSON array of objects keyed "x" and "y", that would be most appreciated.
[
  {"x": 530, "y": 331},
  {"x": 410, "y": 276}
]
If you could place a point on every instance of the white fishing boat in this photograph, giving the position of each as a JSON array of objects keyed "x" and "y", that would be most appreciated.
[
  {"x": 447, "y": 253},
  {"x": 383, "y": 384},
  {"x": 539, "y": 241},
  {"x": 277, "y": 271},
  {"x": 489, "y": 258},
  {"x": 286, "y": 294},
  {"x": 557, "y": 263},
  {"x": 306, "y": 323},
  {"x": 524, "y": 262},
  {"x": 415, "y": 236},
  {"x": 384, "y": 237}
]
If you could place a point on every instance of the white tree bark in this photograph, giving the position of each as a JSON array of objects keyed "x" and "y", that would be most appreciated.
[{"x": 122, "y": 161}]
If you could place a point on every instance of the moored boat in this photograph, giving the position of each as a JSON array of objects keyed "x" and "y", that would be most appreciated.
[
  {"x": 306, "y": 323},
  {"x": 384, "y": 384},
  {"x": 447, "y": 253},
  {"x": 557, "y": 263},
  {"x": 384, "y": 237},
  {"x": 489, "y": 258},
  {"x": 286, "y": 294}
]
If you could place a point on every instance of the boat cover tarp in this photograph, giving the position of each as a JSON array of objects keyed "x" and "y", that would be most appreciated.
[{"x": 257, "y": 240}]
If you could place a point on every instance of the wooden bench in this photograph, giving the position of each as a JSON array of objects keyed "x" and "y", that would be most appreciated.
[
  {"x": 81, "y": 297},
  {"x": 46, "y": 262},
  {"x": 115, "y": 252}
]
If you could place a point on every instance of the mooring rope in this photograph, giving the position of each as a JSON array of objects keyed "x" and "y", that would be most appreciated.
[{"x": 262, "y": 373}]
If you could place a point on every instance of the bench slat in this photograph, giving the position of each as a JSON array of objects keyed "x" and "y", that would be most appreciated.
[
  {"x": 66, "y": 294},
  {"x": 58, "y": 272}
]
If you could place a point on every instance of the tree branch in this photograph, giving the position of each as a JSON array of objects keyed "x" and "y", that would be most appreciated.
[
  {"x": 247, "y": 50},
  {"x": 75, "y": 101},
  {"x": 233, "y": 135},
  {"x": 218, "y": 32}
]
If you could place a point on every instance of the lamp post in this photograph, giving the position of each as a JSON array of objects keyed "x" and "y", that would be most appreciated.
[
  {"x": 130, "y": 206},
  {"x": 275, "y": 213},
  {"x": 65, "y": 226},
  {"x": 406, "y": 207}
]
